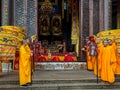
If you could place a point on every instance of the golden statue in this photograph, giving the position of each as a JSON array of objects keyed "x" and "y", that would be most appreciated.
[
  {"x": 44, "y": 25},
  {"x": 56, "y": 25}
]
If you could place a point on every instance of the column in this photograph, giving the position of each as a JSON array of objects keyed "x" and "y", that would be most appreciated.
[
  {"x": 101, "y": 15},
  {"x": 106, "y": 14},
  {"x": 90, "y": 17},
  {"x": 80, "y": 28},
  {"x": 5, "y": 12}
]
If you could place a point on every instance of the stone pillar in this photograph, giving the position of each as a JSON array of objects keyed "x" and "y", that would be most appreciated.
[
  {"x": 32, "y": 17},
  {"x": 25, "y": 15},
  {"x": 80, "y": 28},
  {"x": 90, "y": 17},
  {"x": 107, "y": 14},
  {"x": 96, "y": 16},
  {"x": 101, "y": 15},
  {"x": 5, "y": 12},
  {"x": 83, "y": 26},
  {"x": 19, "y": 13}
]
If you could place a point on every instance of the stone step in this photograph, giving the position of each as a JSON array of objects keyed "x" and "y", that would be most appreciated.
[
  {"x": 57, "y": 80},
  {"x": 71, "y": 86},
  {"x": 16, "y": 82}
]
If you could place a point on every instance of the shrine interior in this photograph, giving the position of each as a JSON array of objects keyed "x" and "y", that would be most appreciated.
[{"x": 55, "y": 28}]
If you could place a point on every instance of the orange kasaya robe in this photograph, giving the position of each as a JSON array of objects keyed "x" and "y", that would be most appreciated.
[
  {"x": 117, "y": 69},
  {"x": 113, "y": 50},
  {"x": 107, "y": 72},
  {"x": 24, "y": 65},
  {"x": 97, "y": 64},
  {"x": 0, "y": 66},
  {"x": 89, "y": 60}
]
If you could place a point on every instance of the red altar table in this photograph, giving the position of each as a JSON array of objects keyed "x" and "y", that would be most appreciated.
[{"x": 56, "y": 57}]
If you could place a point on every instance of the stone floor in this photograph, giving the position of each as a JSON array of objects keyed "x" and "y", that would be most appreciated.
[
  {"x": 51, "y": 75},
  {"x": 57, "y": 80}
]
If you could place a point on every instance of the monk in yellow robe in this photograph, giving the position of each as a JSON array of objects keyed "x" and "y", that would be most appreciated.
[
  {"x": 112, "y": 46},
  {"x": 25, "y": 64},
  {"x": 92, "y": 49},
  {"x": 97, "y": 61},
  {"x": 89, "y": 62},
  {"x": 107, "y": 73},
  {"x": 117, "y": 70}
]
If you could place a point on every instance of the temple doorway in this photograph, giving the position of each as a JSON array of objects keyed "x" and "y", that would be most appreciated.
[{"x": 55, "y": 26}]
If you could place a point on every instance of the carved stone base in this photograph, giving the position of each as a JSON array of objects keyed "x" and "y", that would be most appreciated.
[{"x": 60, "y": 65}]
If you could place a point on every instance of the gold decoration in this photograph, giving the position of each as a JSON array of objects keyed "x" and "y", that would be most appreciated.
[
  {"x": 46, "y": 7},
  {"x": 56, "y": 25},
  {"x": 44, "y": 25}
]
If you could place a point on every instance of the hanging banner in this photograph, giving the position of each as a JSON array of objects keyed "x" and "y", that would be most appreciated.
[{"x": 75, "y": 28}]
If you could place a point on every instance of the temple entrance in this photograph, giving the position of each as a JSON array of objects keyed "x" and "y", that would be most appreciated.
[{"x": 55, "y": 27}]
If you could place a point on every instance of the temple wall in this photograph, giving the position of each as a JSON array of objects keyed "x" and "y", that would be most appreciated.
[{"x": 94, "y": 16}]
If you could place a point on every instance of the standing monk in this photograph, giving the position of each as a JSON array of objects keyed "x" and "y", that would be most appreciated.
[
  {"x": 112, "y": 47},
  {"x": 97, "y": 62},
  {"x": 92, "y": 51},
  {"x": 25, "y": 64},
  {"x": 89, "y": 62},
  {"x": 117, "y": 70},
  {"x": 107, "y": 73}
]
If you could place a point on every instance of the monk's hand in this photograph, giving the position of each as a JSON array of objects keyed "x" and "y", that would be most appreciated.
[
  {"x": 83, "y": 49},
  {"x": 31, "y": 53},
  {"x": 111, "y": 63}
]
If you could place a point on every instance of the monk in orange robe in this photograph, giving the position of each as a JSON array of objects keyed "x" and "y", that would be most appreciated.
[
  {"x": 112, "y": 45},
  {"x": 89, "y": 62},
  {"x": 107, "y": 72},
  {"x": 92, "y": 51},
  {"x": 117, "y": 70},
  {"x": 25, "y": 64},
  {"x": 97, "y": 61}
]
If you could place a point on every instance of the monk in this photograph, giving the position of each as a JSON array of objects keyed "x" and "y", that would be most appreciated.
[
  {"x": 117, "y": 70},
  {"x": 97, "y": 61},
  {"x": 112, "y": 47},
  {"x": 92, "y": 51},
  {"x": 25, "y": 64},
  {"x": 107, "y": 73},
  {"x": 89, "y": 62}
]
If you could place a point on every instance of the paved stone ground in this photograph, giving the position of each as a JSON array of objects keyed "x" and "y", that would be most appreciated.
[
  {"x": 57, "y": 80},
  {"x": 51, "y": 75}
]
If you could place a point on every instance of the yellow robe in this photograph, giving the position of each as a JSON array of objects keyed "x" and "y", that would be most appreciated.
[
  {"x": 24, "y": 65},
  {"x": 113, "y": 50},
  {"x": 98, "y": 60},
  {"x": 89, "y": 62},
  {"x": 107, "y": 73},
  {"x": 117, "y": 70}
]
